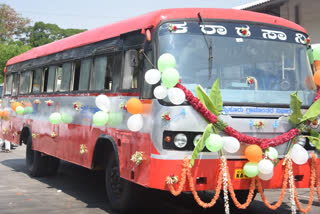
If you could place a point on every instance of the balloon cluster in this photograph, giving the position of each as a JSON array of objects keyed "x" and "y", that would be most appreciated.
[
  {"x": 299, "y": 154},
  {"x": 169, "y": 77},
  {"x": 58, "y": 117},
  {"x": 257, "y": 165},
  {"x": 20, "y": 108},
  {"x": 135, "y": 121},
  {"x": 215, "y": 142},
  {"x": 104, "y": 116}
]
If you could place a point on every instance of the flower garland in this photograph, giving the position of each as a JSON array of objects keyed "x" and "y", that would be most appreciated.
[
  {"x": 291, "y": 186},
  {"x": 263, "y": 143},
  {"x": 225, "y": 184}
]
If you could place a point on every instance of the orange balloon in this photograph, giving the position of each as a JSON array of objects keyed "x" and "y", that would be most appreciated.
[
  {"x": 15, "y": 105},
  {"x": 134, "y": 106},
  {"x": 5, "y": 115},
  {"x": 316, "y": 78},
  {"x": 253, "y": 153}
]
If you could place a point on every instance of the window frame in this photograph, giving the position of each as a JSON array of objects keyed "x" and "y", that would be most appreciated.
[
  {"x": 30, "y": 82},
  {"x": 6, "y": 84},
  {"x": 40, "y": 86}
]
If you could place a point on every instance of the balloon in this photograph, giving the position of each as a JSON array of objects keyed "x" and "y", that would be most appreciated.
[
  {"x": 100, "y": 118},
  {"x": 265, "y": 177},
  {"x": 165, "y": 61},
  {"x": 1, "y": 114},
  {"x": 20, "y": 110},
  {"x": 160, "y": 92},
  {"x": 316, "y": 78},
  {"x": 272, "y": 153},
  {"x": 28, "y": 109},
  {"x": 134, "y": 106},
  {"x": 316, "y": 52},
  {"x": 5, "y": 115},
  {"x": 230, "y": 144},
  {"x": 299, "y": 155},
  {"x": 176, "y": 96},
  {"x": 152, "y": 76},
  {"x": 214, "y": 142},
  {"x": 14, "y": 105},
  {"x": 115, "y": 118},
  {"x": 55, "y": 118},
  {"x": 265, "y": 166},
  {"x": 103, "y": 102},
  {"x": 253, "y": 153},
  {"x": 250, "y": 169},
  {"x": 170, "y": 77},
  {"x": 135, "y": 122},
  {"x": 66, "y": 118}
]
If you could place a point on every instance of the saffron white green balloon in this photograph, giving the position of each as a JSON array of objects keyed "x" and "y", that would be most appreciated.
[
  {"x": 299, "y": 155},
  {"x": 265, "y": 166},
  {"x": 176, "y": 96},
  {"x": 66, "y": 118},
  {"x": 165, "y": 61},
  {"x": 28, "y": 110},
  {"x": 20, "y": 110},
  {"x": 115, "y": 119},
  {"x": 170, "y": 77},
  {"x": 214, "y": 142},
  {"x": 272, "y": 153},
  {"x": 152, "y": 76},
  {"x": 230, "y": 144},
  {"x": 103, "y": 102},
  {"x": 100, "y": 118},
  {"x": 265, "y": 177},
  {"x": 55, "y": 118},
  {"x": 135, "y": 122},
  {"x": 160, "y": 92},
  {"x": 250, "y": 169}
]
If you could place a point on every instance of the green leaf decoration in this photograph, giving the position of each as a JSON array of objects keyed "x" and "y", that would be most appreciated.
[
  {"x": 313, "y": 112},
  {"x": 315, "y": 139},
  {"x": 295, "y": 106},
  {"x": 205, "y": 100},
  {"x": 201, "y": 144},
  {"x": 215, "y": 96}
]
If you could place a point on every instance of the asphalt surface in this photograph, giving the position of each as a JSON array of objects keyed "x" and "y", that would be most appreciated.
[{"x": 76, "y": 190}]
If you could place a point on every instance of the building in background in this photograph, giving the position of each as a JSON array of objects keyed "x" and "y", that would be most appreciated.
[{"x": 303, "y": 12}]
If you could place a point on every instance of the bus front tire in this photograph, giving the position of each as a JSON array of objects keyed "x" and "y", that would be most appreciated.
[{"x": 36, "y": 163}]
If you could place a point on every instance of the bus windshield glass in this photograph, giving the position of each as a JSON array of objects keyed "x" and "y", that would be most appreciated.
[{"x": 254, "y": 64}]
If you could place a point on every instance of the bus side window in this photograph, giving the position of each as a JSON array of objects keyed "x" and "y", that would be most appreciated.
[
  {"x": 25, "y": 82},
  {"x": 36, "y": 81},
  {"x": 63, "y": 77},
  {"x": 99, "y": 73},
  {"x": 85, "y": 69},
  {"x": 15, "y": 85},
  {"x": 130, "y": 70},
  {"x": 8, "y": 84},
  {"x": 51, "y": 75},
  {"x": 76, "y": 75}
]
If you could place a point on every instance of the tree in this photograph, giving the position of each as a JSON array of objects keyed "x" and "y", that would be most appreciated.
[
  {"x": 11, "y": 23},
  {"x": 43, "y": 33}
]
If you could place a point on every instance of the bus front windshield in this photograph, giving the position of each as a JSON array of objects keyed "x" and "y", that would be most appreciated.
[{"x": 252, "y": 68}]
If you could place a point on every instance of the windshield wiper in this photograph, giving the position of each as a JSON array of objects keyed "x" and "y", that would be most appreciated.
[{"x": 209, "y": 45}]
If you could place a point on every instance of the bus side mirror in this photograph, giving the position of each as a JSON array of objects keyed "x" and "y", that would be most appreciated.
[{"x": 129, "y": 77}]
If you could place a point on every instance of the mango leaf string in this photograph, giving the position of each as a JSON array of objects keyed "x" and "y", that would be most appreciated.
[
  {"x": 295, "y": 106},
  {"x": 201, "y": 144},
  {"x": 312, "y": 113},
  {"x": 206, "y": 101},
  {"x": 215, "y": 96}
]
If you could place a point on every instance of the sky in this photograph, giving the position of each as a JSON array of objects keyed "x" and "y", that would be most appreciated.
[{"x": 89, "y": 14}]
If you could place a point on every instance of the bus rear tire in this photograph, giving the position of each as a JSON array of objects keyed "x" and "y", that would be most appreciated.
[
  {"x": 119, "y": 191},
  {"x": 35, "y": 162}
]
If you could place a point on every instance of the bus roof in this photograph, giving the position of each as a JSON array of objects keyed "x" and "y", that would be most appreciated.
[{"x": 146, "y": 21}]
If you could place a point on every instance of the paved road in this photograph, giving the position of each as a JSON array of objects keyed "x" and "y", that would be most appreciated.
[{"x": 76, "y": 190}]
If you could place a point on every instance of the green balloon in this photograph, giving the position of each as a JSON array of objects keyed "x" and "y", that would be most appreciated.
[
  {"x": 310, "y": 55},
  {"x": 55, "y": 118},
  {"x": 214, "y": 143},
  {"x": 66, "y": 118},
  {"x": 115, "y": 118},
  {"x": 20, "y": 110},
  {"x": 316, "y": 52},
  {"x": 166, "y": 61},
  {"x": 272, "y": 153},
  {"x": 28, "y": 110},
  {"x": 100, "y": 118},
  {"x": 251, "y": 169},
  {"x": 170, "y": 77}
]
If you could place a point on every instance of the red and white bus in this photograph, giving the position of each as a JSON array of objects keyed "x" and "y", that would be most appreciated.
[{"x": 237, "y": 47}]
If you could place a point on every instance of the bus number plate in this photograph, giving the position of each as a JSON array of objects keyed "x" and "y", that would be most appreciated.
[{"x": 239, "y": 174}]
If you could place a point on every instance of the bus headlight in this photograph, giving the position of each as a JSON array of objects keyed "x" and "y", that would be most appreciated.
[
  {"x": 180, "y": 140},
  {"x": 196, "y": 139}
]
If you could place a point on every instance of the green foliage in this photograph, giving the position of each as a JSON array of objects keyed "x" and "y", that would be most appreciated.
[
  {"x": 315, "y": 139},
  {"x": 312, "y": 113},
  {"x": 201, "y": 144},
  {"x": 215, "y": 96},
  {"x": 205, "y": 100},
  {"x": 295, "y": 106}
]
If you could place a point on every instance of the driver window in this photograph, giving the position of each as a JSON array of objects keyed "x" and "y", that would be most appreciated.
[{"x": 131, "y": 70}]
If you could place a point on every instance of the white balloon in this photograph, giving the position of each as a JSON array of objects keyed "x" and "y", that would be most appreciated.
[
  {"x": 299, "y": 155},
  {"x": 160, "y": 92},
  {"x": 230, "y": 144},
  {"x": 272, "y": 153},
  {"x": 265, "y": 166},
  {"x": 135, "y": 122},
  {"x": 265, "y": 177},
  {"x": 152, "y": 76},
  {"x": 103, "y": 102},
  {"x": 176, "y": 96}
]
